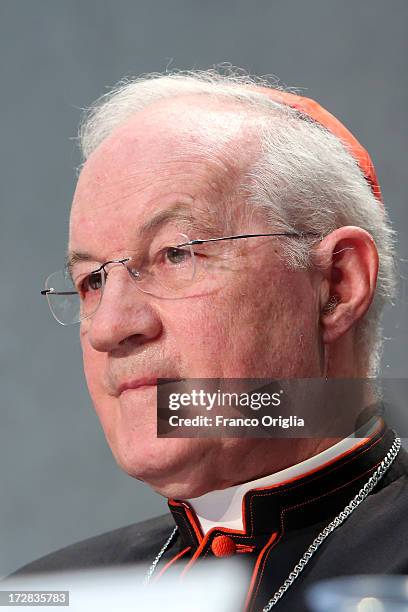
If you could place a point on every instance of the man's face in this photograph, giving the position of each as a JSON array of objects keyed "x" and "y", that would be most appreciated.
[{"x": 253, "y": 318}]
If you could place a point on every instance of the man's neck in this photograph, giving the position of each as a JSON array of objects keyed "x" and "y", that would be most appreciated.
[{"x": 223, "y": 508}]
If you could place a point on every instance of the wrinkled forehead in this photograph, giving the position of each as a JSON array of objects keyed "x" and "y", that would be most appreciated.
[
  {"x": 167, "y": 157},
  {"x": 179, "y": 150}
]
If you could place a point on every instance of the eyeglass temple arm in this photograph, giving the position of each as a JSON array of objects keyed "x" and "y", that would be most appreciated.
[
  {"x": 47, "y": 291},
  {"x": 294, "y": 234}
]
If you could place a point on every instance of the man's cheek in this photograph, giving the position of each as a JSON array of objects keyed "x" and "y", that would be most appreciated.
[
  {"x": 104, "y": 405},
  {"x": 198, "y": 326}
]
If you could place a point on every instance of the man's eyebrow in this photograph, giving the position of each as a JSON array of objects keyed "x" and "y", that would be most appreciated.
[
  {"x": 74, "y": 257},
  {"x": 179, "y": 212}
]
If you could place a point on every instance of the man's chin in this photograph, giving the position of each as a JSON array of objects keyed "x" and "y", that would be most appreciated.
[{"x": 170, "y": 466}]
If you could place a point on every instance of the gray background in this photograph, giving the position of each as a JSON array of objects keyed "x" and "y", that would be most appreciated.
[{"x": 58, "y": 480}]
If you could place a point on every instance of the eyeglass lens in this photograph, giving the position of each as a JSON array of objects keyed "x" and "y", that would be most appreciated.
[{"x": 165, "y": 270}]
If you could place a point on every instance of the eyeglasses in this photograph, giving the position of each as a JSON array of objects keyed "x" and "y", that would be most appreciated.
[{"x": 167, "y": 271}]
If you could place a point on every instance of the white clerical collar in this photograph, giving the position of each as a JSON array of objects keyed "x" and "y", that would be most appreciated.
[{"x": 223, "y": 508}]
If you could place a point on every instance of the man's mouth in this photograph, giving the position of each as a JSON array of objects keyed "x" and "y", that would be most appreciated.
[{"x": 143, "y": 383}]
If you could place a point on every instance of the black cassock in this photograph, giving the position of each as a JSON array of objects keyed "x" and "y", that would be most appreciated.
[{"x": 280, "y": 522}]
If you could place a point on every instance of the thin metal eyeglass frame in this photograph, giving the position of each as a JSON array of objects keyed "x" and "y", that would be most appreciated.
[
  {"x": 197, "y": 241},
  {"x": 189, "y": 243}
]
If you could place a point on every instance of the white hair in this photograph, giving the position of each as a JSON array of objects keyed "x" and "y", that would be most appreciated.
[{"x": 304, "y": 178}]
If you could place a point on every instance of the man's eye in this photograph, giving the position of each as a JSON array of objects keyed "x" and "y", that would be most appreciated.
[
  {"x": 92, "y": 282},
  {"x": 177, "y": 256}
]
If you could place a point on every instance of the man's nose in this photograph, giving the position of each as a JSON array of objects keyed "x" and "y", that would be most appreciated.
[{"x": 124, "y": 313}]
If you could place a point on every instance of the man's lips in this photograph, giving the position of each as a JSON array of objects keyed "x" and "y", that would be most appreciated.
[
  {"x": 137, "y": 383},
  {"x": 141, "y": 383}
]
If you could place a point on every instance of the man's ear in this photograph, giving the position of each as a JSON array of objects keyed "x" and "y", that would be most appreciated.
[{"x": 348, "y": 261}]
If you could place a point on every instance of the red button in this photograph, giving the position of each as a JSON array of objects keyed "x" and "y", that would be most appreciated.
[{"x": 223, "y": 546}]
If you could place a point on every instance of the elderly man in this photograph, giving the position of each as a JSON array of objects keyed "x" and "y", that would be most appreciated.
[{"x": 294, "y": 289}]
